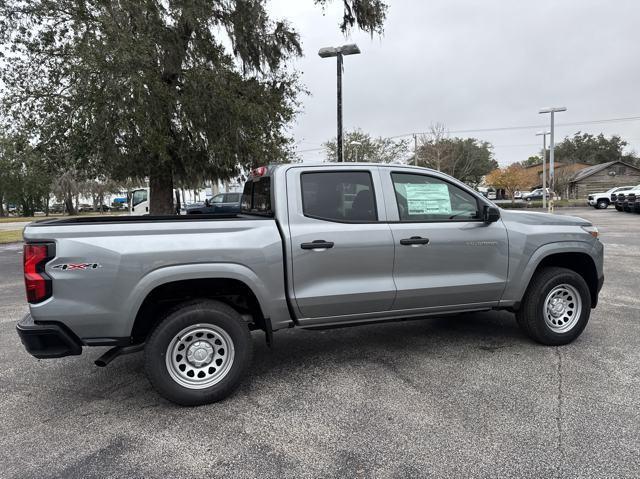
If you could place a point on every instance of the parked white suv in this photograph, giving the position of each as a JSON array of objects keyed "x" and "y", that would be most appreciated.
[{"x": 602, "y": 200}]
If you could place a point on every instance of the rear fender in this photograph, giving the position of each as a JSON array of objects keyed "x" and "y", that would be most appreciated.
[{"x": 171, "y": 274}]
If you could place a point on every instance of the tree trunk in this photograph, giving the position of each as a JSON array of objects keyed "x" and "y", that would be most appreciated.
[
  {"x": 161, "y": 190},
  {"x": 68, "y": 204},
  {"x": 1, "y": 205}
]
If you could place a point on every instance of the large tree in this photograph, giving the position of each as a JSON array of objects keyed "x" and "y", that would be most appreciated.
[
  {"x": 361, "y": 146},
  {"x": 161, "y": 89},
  {"x": 511, "y": 179},
  {"x": 467, "y": 159}
]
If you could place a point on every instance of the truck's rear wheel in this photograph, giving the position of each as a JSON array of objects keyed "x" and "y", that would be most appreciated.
[
  {"x": 556, "y": 306},
  {"x": 199, "y": 353}
]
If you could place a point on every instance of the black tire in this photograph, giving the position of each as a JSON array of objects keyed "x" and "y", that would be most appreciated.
[
  {"x": 618, "y": 208},
  {"x": 531, "y": 315},
  {"x": 602, "y": 204},
  {"x": 206, "y": 313}
]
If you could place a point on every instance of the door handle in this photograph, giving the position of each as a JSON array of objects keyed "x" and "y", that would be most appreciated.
[
  {"x": 414, "y": 240},
  {"x": 317, "y": 244}
]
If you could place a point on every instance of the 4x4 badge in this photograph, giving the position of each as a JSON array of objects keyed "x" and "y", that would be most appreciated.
[{"x": 77, "y": 266}]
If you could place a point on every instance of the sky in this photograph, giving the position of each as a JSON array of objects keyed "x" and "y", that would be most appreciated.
[{"x": 473, "y": 65}]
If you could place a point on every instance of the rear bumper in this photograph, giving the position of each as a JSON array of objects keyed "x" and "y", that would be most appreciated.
[{"x": 47, "y": 340}]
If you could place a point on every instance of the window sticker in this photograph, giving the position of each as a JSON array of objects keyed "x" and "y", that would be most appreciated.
[{"x": 428, "y": 199}]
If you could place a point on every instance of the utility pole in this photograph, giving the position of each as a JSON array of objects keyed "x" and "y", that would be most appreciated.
[
  {"x": 552, "y": 185},
  {"x": 544, "y": 167},
  {"x": 338, "y": 52}
]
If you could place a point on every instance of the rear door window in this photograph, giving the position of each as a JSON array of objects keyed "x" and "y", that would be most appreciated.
[{"x": 342, "y": 196}]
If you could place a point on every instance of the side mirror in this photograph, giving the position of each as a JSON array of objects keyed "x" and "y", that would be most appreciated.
[{"x": 491, "y": 214}]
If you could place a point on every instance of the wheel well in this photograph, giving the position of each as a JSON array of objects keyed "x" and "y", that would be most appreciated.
[
  {"x": 581, "y": 263},
  {"x": 233, "y": 292}
]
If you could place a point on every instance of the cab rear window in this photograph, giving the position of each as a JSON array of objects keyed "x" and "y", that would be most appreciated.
[{"x": 256, "y": 197}]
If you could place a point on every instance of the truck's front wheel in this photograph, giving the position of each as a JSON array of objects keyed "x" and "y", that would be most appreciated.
[
  {"x": 556, "y": 306},
  {"x": 199, "y": 353}
]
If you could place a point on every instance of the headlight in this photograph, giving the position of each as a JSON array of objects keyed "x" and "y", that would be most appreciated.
[{"x": 592, "y": 230}]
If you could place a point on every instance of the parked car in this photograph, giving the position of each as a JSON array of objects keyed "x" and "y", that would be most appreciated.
[
  {"x": 56, "y": 208},
  {"x": 220, "y": 204},
  {"x": 517, "y": 195},
  {"x": 621, "y": 201},
  {"x": 603, "y": 200},
  {"x": 536, "y": 195},
  {"x": 636, "y": 204},
  {"x": 630, "y": 199},
  {"x": 315, "y": 247}
]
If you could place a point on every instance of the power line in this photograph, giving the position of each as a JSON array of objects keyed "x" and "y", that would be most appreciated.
[
  {"x": 533, "y": 127},
  {"x": 510, "y": 128}
]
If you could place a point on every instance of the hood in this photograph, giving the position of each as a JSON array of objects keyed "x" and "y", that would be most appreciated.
[{"x": 530, "y": 218}]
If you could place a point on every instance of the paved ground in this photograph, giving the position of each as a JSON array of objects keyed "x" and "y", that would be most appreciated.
[{"x": 459, "y": 397}]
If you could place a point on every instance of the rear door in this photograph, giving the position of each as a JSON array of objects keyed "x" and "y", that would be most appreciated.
[
  {"x": 341, "y": 247},
  {"x": 446, "y": 256}
]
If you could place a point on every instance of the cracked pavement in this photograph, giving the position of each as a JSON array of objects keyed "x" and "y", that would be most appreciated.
[{"x": 465, "y": 396}]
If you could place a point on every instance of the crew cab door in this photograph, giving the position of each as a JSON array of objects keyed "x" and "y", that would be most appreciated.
[
  {"x": 446, "y": 256},
  {"x": 341, "y": 248}
]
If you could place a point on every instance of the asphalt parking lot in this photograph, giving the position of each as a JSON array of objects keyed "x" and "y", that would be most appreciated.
[{"x": 468, "y": 396}]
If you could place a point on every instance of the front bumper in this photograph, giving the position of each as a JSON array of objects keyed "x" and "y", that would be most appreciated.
[
  {"x": 47, "y": 340},
  {"x": 592, "y": 202}
]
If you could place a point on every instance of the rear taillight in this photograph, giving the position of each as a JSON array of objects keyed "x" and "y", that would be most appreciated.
[
  {"x": 37, "y": 282},
  {"x": 259, "y": 171}
]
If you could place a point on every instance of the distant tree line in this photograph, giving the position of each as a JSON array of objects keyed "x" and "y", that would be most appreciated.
[
  {"x": 467, "y": 159},
  {"x": 570, "y": 153}
]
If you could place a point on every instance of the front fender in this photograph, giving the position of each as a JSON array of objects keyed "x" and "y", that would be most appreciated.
[{"x": 520, "y": 275}]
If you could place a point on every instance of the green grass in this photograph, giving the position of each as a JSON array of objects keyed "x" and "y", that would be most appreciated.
[
  {"x": 12, "y": 219},
  {"x": 26, "y": 219},
  {"x": 11, "y": 236}
]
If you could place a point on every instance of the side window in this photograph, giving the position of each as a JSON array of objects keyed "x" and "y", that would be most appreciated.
[
  {"x": 424, "y": 198},
  {"x": 138, "y": 197},
  {"x": 256, "y": 197},
  {"x": 345, "y": 196}
]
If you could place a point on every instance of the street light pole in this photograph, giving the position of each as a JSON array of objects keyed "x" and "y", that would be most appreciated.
[
  {"x": 552, "y": 185},
  {"x": 544, "y": 167},
  {"x": 339, "y": 90},
  {"x": 338, "y": 52}
]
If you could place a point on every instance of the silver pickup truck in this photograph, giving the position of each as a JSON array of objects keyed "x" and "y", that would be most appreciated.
[{"x": 314, "y": 247}]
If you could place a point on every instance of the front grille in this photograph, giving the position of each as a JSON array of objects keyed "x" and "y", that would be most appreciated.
[{"x": 590, "y": 197}]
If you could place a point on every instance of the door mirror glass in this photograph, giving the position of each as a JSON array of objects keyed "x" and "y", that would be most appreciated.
[{"x": 491, "y": 214}]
